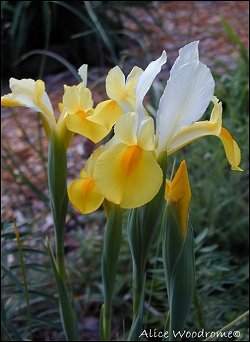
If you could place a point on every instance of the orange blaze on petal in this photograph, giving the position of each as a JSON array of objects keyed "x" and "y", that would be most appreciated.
[
  {"x": 226, "y": 134},
  {"x": 82, "y": 114},
  {"x": 130, "y": 159},
  {"x": 88, "y": 185}
]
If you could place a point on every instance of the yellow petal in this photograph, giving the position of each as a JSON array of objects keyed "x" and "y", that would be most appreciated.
[
  {"x": 125, "y": 129},
  {"x": 31, "y": 94},
  {"x": 62, "y": 131},
  {"x": 115, "y": 84},
  {"x": 38, "y": 98},
  {"x": 119, "y": 91},
  {"x": 83, "y": 173},
  {"x": 106, "y": 114},
  {"x": 232, "y": 150},
  {"x": 146, "y": 136},
  {"x": 199, "y": 129},
  {"x": 132, "y": 80},
  {"x": 178, "y": 193},
  {"x": 90, "y": 163},
  {"x": 8, "y": 101},
  {"x": 189, "y": 134},
  {"x": 80, "y": 124},
  {"x": 128, "y": 175},
  {"x": 77, "y": 98},
  {"x": 84, "y": 195}
]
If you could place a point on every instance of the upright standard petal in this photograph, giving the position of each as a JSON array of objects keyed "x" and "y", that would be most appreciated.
[
  {"x": 187, "y": 54},
  {"x": 145, "y": 81},
  {"x": 125, "y": 129},
  {"x": 146, "y": 134},
  {"x": 77, "y": 101},
  {"x": 178, "y": 193},
  {"x": 77, "y": 98},
  {"x": 128, "y": 175},
  {"x": 132, "y": 80},
  {"x": 83, "y": 73},
  {"x": 184, "y": 100},
  {"x": 115, "y": 84},
  {"x": 121, "y": 91}
]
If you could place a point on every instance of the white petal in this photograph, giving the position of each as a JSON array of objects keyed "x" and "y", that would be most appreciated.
[
  {"x": 145, "y": 81},
  {"x": 184, "y": 100},
  {"x": 83, "y": 73},
  {"x": 187, "y": 54}
]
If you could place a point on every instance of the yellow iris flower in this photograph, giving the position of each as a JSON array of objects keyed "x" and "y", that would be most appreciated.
[
  {"x": 31, "y": 94},
  {"x": 127, "y": 173},
  {"x": 76, "y": 108}
]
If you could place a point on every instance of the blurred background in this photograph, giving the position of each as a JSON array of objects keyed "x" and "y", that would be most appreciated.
[{"x": 51, "y": 40}]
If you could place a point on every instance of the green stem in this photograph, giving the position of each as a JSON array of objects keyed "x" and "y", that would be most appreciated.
[
  {"x": 60, "y": 254},
  {"x": 57, "y": 180},
  {"x": 111, "y": 250},
  {"x": 138, "y": 288}
]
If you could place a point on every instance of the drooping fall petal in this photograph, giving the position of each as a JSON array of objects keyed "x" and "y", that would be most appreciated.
[
  {"x": 128, "y": 175},
  {"x": 197, "y": 130},
  {"x": 106, "y": 114},
  {"x": 79, "y": 123},
  {"x": 84, "y": 195},
  {"x": 232, "y": 149}
]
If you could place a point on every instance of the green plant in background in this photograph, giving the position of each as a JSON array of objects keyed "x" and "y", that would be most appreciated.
[
  {"x": 77, "y": 24},
  {"x": 233, "y": 156}
]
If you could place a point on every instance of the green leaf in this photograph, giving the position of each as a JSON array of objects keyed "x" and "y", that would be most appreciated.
[
  {"x": 178, "y": 259},
  {"x": 53, "y": 55},
  {"x": 67, "y": 313}
]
